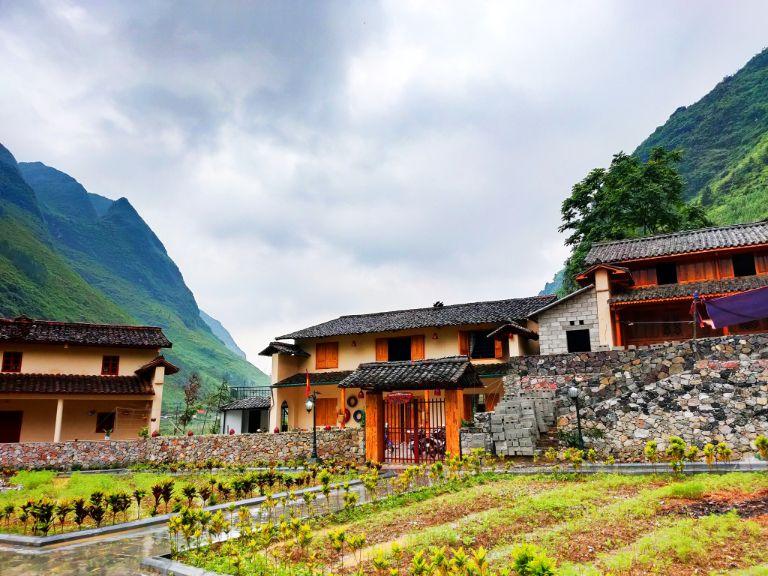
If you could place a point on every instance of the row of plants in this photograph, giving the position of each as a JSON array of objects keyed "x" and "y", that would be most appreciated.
[
  {"x": 277, "y": 538},
  {"x": 43, "y": 515}
]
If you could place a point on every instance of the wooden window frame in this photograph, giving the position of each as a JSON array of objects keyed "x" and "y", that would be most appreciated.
[
  {"x": 111, "y": 419},
  {"x": 110, "y": 365},
  {"x": 12, "y": 360},
  {"x": 322, "y": 358}
]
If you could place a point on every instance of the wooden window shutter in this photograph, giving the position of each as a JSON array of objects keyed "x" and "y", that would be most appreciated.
[
  {"x": 417, "y": 347},
  {"x": 382, "y": 350},
  {"x": 761, "y": 263},
  {"x": 726, "y": 268},
  {"x": 498, "y": 348},
  {"x": 327, "y": 355},
  {"x": 463, "y": 343},
  {"x": 333, "y": 355}
]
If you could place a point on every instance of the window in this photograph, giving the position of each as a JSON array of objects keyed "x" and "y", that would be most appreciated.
[
  {"x": 11, "y": 361},
  {"x": 284, "y": 416},
  {"x": 666, "y": 273},
  {"x": 326, "y": 411},
  {"x": 744, "y": 265},
  {"x": 110, "y": 365},
  {"x": 480, "y": 346},
  {"x": 327, "y": 355},
  {"x": 578, "y": 341},
  {"x": 105, "y": 421},
  {"x": 398, "y": 349}
]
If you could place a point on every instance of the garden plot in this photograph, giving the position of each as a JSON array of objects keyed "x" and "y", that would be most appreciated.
[{"x": 473, "y": 523}]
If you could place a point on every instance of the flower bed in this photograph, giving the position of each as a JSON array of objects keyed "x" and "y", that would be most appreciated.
[{"x": 457, "y": 520}]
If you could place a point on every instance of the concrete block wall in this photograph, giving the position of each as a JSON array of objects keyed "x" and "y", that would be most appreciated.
[{"x": 578, "y": 313}]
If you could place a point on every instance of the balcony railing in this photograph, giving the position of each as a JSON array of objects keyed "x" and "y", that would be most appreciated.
[{"x": 241, "y": 392}]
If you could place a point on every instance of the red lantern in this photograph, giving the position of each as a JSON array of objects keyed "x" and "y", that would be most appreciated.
[{"x": 361, "y": 394}]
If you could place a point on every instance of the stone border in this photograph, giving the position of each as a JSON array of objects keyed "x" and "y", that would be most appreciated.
[
  {"x": 165, "y": 566},
  {"x": 43, "y": 541}
]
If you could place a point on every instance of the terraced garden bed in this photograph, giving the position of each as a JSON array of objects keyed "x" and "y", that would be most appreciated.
[{"x": 492, "y": 524}]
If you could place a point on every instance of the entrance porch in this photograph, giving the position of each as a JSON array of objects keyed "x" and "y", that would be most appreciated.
[{"x": 413, "y": 409}]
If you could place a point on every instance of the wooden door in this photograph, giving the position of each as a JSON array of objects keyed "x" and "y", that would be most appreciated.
[
  {"x": 326, "y": 411},
  {"x": 10, "y": 426}
]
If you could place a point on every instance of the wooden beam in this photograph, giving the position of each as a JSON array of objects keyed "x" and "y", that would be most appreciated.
[
  {"x": 453, "y": 407},
  {"x": 374, "y": 427}
]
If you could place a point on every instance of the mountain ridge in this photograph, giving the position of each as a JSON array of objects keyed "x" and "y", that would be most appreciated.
[{"x": 111, "y": 255}]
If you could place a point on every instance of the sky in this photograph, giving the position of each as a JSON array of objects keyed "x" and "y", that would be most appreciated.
[{"x": 304, "y": 160}]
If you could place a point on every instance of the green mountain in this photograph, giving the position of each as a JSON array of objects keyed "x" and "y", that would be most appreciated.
[
  {"x": 90, "y": 258},
  {"x": 724, "y": 137},
  {"x": 222, "y": 333}
]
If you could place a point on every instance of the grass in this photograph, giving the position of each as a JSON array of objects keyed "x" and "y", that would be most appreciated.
[{"x": 595, "y": 526}]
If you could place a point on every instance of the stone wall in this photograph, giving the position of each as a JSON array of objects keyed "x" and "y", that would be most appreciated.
[
  {"x": 243, "y": 449},
  {"x": 705, "y": 390},
  {"x": 577, "y": 313}
]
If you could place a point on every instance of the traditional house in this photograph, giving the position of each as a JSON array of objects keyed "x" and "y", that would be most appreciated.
[
  {"x": 66, "y": 381},
  {"x": 413, "y": 355},
  {"x": 640, "y": 291}
]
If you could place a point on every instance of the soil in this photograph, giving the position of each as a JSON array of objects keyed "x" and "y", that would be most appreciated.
[{"x": 745, "y": 505}]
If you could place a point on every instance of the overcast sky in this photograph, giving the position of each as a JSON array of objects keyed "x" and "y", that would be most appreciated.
[{"x": 306, "y": 160}]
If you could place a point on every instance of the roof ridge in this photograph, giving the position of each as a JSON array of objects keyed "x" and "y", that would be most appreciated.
[
  {"x": 447, "y": 306},
  {"x": 27, "y": 320},
  {"x": 679, "y": 233}
]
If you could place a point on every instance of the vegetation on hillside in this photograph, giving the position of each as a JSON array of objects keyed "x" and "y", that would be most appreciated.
[
  {"x": 66, "y": 254},
  {"x": 631, "y": 198},
  {"x": 724, "y": 139}
]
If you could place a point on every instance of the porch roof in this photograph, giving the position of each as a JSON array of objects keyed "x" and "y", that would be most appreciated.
[
  {"x": 514, "y": 328},
  {"x": 685, "y": 291},
  {"x": 283, "y": 348},
  {"x": 20, "y": 383},
  {"x": 315, "y": 379},
  {"x": 453, "y": 372},
  {"x": 248, "y": 403}
]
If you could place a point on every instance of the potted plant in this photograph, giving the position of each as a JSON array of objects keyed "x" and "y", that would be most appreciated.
[{"x": 107, "y": 433}]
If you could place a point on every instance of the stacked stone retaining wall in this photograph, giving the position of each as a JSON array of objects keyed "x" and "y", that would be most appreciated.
[
  {"x": 713, "y": 389},
  {"x": 245, "y": 449}
]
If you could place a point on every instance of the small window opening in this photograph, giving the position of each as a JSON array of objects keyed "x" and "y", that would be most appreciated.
[
  {"x": 744, "y": 265},
  {"x": 110, "y": 365},
  {"x": 666, "y": 273},
  {"x": 578, "y": 341},
  {"x": 105, "y": 422},
  {"x": 399, "y": 348},
  {"x": 11, "y": 361}
]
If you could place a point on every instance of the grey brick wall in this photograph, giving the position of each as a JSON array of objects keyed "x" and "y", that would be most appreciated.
[{"x": 578, "y": 313}]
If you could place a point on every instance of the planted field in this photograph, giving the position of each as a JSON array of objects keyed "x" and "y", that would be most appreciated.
[
  {"x": 486, "y": 524},
  {"x": 44, "y": 502}
]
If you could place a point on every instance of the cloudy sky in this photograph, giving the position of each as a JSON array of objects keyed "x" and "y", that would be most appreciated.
[{"x": 305, "y": 160}]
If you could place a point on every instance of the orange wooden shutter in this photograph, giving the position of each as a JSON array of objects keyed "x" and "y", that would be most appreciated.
[
  {"x": 498, "y": 349},
  {"x": 645, "y": 277},
  {"x": 320, "y": 355},
  {"x": 725, "y": 266},
  {"x": 463, "y": 343},
  {"x": 417, "y": 347},
  {"x": 327, "y": 355},
  {"x": 382, "y": 350},
  {"x": 326, "y": 411},
  {"x": 761, "y": 263},
  {"x": 333, "y": 355}
]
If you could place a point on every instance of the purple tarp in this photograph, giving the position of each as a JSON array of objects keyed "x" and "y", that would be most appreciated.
[{"x": 739, "y": 308}]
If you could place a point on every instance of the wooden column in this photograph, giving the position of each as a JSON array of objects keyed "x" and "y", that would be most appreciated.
[
  {"x": 374, "y": 426},
  {"x": 453, "y": 406},
  {"x": 59, "y": 420}
]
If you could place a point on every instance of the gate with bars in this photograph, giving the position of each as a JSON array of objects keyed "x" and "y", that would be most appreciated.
[{"x": 414, "y": 429}]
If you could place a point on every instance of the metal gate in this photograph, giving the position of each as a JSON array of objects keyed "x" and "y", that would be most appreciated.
[{"x": 414, "y": 429}]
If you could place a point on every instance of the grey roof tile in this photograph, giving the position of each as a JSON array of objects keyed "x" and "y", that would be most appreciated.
[
  {"x": 751, "y": 234},
  {"x": 496, "y": 311},
  {"x": 439, "y": 373},
  {"x": 686, "y": 290}
]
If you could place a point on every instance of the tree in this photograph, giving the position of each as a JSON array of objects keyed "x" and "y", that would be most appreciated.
[
  {"x": 219, "y": 396},
  {"x": 191, "y": 400},
  {"x": 631, "y": 198}
]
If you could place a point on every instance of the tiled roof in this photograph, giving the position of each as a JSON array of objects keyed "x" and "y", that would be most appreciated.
[
  {"x": 20, "y": 383},
  {"x": 27, "y": 330},
  {"x": 441, "y": 373},
  {"x": 686, "y": 290},
  {"x": 283, "y": 348},
  {"x": 559, "y": 301},
  {"x": 158, "y": 361},
  {"x": 679, "y": 243},
  {"x": 491, "y": 368},
  {"x": 249, "y": 403},
  {"x": 315, "y": 378},
  {"x": 513, "y": 328},
  {"x": 497, "y": 311}
]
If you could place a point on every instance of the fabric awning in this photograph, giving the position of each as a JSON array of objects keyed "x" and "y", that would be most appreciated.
[{"x": 738, "y": 308}]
